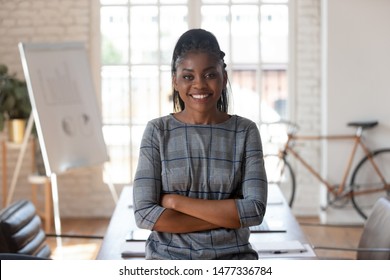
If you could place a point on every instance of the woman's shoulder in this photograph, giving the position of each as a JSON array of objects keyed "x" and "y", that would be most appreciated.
[
  {"x": 243, "y": 122},
  {"x": 164, "y": 122}
]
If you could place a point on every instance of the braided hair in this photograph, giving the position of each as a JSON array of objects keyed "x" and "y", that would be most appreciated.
[{"x": 197, "y": 40}]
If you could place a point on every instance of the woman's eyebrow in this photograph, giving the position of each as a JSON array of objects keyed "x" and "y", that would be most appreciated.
[{"x": 204, "y": 70}]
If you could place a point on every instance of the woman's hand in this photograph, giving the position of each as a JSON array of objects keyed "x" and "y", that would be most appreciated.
[
  {"x": 177, "y": 222},
  {"x": 168, "y": 200}
]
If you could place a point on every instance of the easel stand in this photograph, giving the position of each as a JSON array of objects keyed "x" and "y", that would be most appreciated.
[
  {"x": 53, "y": 177},
  {"x": 56, "y": 209},
  {"x": 19, "y": 161}
]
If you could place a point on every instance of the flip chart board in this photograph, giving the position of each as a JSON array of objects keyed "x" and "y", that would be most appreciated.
[{"x": 64, "y": 103}]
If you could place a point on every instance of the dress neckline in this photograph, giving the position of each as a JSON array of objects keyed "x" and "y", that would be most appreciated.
[{"x": 231, "y": 117}]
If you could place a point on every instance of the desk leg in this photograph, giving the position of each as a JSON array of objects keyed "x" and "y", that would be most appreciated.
[{"x": 48, "y": 206}]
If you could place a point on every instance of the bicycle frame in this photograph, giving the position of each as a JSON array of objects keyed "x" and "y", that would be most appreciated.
[{"x": 357, "y": 142}]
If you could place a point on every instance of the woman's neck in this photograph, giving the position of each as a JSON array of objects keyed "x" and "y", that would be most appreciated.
[{"x": 201, "y": 118}]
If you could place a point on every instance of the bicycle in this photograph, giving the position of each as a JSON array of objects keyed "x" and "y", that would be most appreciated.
[{"x": 369, "y": 180}]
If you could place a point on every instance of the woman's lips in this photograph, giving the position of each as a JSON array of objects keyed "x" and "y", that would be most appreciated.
[{"x": 200, "y": 96}]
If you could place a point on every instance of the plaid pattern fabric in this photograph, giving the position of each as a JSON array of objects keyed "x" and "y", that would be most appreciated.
[{"x": 201, "y": 161}]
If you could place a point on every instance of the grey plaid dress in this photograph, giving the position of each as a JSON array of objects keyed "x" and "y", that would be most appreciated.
[{"x": 201, "y": 161}]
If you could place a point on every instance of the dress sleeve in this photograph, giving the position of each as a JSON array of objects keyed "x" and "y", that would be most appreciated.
[
  {"x": 147, "y": 181},
  {"x": 251, "y": 208}
]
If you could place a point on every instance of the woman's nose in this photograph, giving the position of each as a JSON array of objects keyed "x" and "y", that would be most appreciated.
[{"x": 199, "y": 82}]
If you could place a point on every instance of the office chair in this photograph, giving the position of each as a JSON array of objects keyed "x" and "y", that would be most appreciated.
[
  {"x": 21, "y": 233},
  {"x": 374, "y": 242}
]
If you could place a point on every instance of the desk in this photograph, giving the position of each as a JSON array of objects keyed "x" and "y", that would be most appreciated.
[{"x": 122, "y": 222}]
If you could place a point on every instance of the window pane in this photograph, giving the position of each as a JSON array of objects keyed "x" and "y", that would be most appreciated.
[
  {"x": 173, "y": 1},
  {"x": 246, "y": 99},
  {"x": 166, "y": 91},
  {"x": 117, "y": 139},
  {"x": 143, "y": 1},
  {"x": 244, "y": 1},
  {"x": 245, "y": 34},
  {"x": 115, "y": 33},
  {"x": 274, "y": 94},
  {"x": 215, "y": 1},
  {"x": 144, "y": 94},
  {"x": 136, "y": 137},
  {"x": 275, "y": 1},
  {"x": 274, "y": 33},
  {"x": 144, "y": 34},
  {"x": 115, "y": 94},
  {"x": 113, "y": 2},
  {"x": 172, "y": 23}
]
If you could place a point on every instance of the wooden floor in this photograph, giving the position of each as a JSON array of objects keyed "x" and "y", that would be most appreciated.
[
  {"x": 78, "y": 248},
  {"x": 87, "y": 248},
  {"x": 331, "y": 236}
]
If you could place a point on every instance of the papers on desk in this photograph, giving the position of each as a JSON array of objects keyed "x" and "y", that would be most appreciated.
[
  {"x": 275, "y": 196},
  {"x": 136, "y": 250},
  {"x": 274, "y": 200},
  {"x": 283, "y": 249},
  {"x": 268, "y": 226},
  {"x": 293, "y": 246},
  {"x": 138, "y": 235},
  {"x": 286, "y": 249}
]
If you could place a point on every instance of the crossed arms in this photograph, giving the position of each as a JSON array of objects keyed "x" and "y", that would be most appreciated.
[{"x": 184, "y": 214}]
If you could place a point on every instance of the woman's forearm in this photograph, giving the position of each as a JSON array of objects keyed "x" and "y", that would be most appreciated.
[
  {"x": 176, "y": 222},
  {"x": 222, "y": 213}
]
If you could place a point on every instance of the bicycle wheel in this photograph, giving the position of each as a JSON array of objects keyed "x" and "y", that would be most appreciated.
[
  {"x": 279, "y": 172},
  {"x": 366, "y": 185}
]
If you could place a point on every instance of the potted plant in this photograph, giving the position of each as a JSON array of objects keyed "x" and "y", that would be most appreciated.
[{"x": 15, "y": 106}]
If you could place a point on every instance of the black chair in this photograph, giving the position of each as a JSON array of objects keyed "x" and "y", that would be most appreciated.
[
  {"x": 16, "y": 256},
  {"x": 374, "y": 242},
  {"x": 21, "y": 233}
]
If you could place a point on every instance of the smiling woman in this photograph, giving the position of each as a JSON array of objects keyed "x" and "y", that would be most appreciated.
[
  {"x": 199, "y": 82},
  {"x": 200, "y": 182},
  {"x": 198, "y": 65}
]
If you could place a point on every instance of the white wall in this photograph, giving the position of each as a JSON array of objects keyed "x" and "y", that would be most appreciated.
[
  {"x": 306, "y": 98},
  {"x": 356, "y": 77}
]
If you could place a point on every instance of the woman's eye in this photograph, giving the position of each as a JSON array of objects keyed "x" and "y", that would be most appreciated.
[
  {"x": 210, "y": 75},
  {"x": 187, "y": 77}
]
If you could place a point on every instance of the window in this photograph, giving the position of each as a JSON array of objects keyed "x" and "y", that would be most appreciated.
[{"x": 137, "y": 40}]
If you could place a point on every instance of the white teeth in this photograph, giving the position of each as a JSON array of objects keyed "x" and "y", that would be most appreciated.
[{"x": 200, "y": 96}]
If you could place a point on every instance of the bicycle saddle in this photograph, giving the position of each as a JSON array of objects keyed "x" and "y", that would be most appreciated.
[{"x": 363, "y": 124}]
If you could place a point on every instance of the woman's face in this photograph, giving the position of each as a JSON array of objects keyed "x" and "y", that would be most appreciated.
[{"x": 199, "y": 79}]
